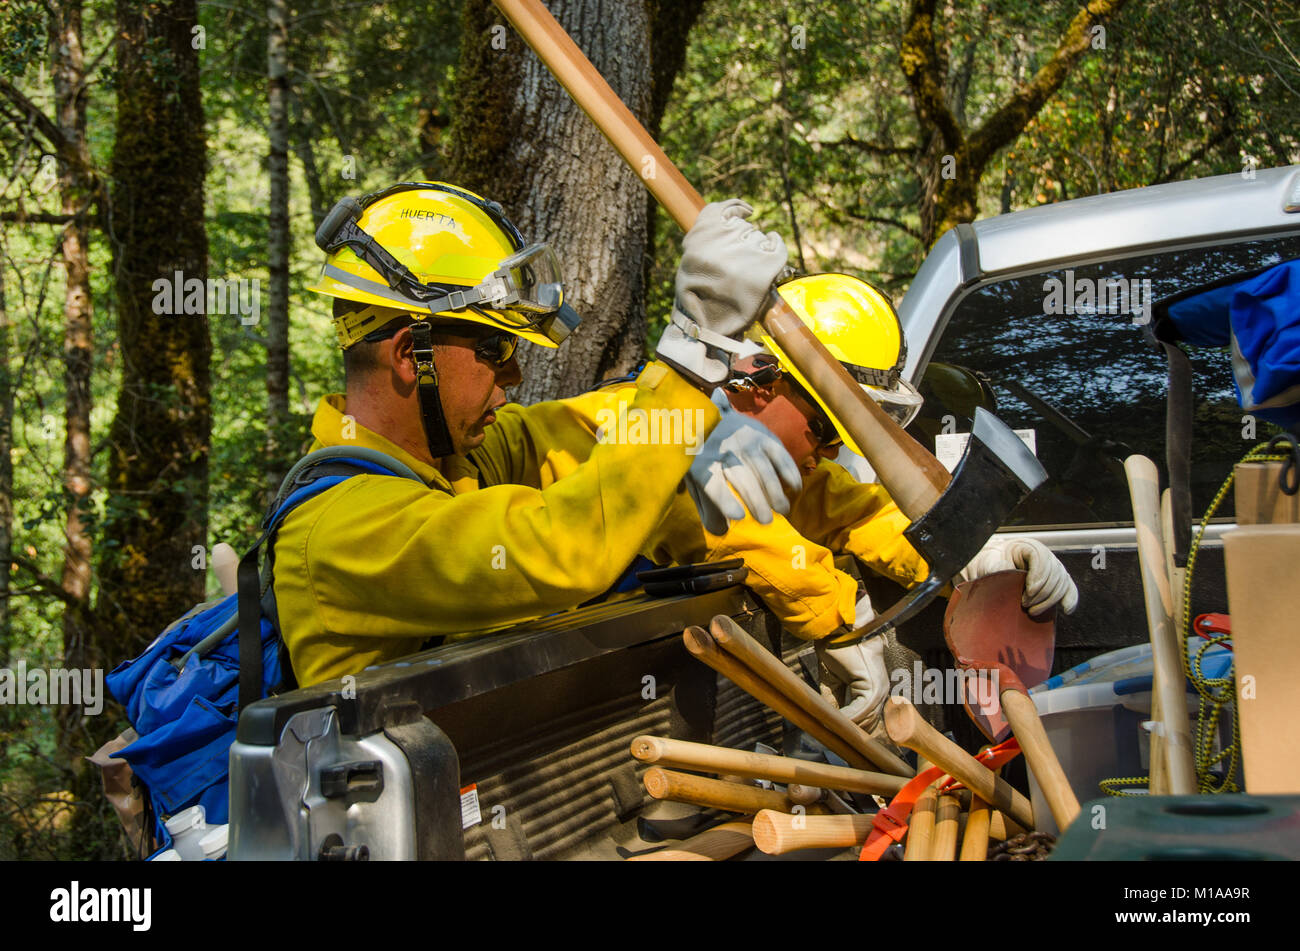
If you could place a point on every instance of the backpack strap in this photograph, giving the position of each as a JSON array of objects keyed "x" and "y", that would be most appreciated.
[{"x": 310, "y": 476}]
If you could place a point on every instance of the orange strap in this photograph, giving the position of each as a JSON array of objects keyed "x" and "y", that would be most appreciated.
[{"x": 889, "y": 825}]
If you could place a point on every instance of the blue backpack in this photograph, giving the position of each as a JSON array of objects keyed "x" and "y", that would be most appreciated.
[{"x": 183, "y": 695}]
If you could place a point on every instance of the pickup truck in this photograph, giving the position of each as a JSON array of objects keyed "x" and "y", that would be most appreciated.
[{"x": 516, "y": 745}]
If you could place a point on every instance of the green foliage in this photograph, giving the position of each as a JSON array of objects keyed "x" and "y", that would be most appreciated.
[
  {"x": 798, "y": 106},
  {"x": 22, "y": 36}
]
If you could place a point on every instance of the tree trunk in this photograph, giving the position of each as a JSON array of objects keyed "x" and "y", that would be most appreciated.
[
  {"x": 6, "y": 471},
  {"x": 277, "y": 326},
  {"x": 156, "y": 525},
  {"x": 67, "y": 70},
  {"x": 300, "y": 133},
  {"x": 519, "y": 139}
]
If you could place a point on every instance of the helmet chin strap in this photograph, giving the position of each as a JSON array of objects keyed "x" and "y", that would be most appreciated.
[{"x": 436, "y": 434}]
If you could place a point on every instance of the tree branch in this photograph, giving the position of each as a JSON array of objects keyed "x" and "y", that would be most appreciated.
[
  {"x": 44, "y": 583},
  {"x": 881, "y": 220},
  {"x": 871, "y": 148},
  {"x": 46, "y": 218},
  {"x": 52, "y": 133},
  {"x": 1223, "y": 134},
  {"x": 1004, "y": 126}
]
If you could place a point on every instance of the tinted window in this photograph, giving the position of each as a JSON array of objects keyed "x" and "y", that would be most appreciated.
[{"x": 1095, "y": 366}]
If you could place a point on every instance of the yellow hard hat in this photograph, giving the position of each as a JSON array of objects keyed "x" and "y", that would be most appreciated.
[
  {"x": 859, "y": 326},
  {"x": 433, "y": 248}
]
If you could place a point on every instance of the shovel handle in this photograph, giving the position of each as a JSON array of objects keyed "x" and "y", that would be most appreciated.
[{"x": 1023, "y": 717}]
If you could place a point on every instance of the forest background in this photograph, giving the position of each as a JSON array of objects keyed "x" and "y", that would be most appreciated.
[{"x": 139, "y": 138}]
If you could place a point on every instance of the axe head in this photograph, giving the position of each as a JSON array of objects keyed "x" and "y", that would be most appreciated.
[{"x": 995, "y": 474}]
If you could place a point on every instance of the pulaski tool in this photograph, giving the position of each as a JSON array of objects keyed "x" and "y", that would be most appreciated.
[{"x": 952, "y": 517}]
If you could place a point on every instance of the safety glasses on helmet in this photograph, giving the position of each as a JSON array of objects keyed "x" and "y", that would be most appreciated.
[{"x": 526, "y": 288}]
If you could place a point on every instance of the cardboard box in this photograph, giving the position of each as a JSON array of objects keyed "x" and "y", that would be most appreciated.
[
  {"x": 1258, "y": 498},
  {"x": 1263, "y": 563}
]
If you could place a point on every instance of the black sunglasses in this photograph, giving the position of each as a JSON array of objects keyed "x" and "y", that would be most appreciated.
[
  {"x": 496, "y": 348},
  {"x": 823, "y": 430}
]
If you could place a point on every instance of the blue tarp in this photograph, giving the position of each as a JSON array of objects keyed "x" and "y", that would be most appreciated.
[{"x": 1258, "y": 319}]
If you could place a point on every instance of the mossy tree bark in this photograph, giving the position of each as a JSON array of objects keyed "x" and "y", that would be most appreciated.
[
  {"x": 519, "y": 139},
  {"x": 6, "y": 471},
  {"x": 77, "y": 190},
  {"x": 956, "y": 156},
  {"x": 277, "y": 323},
  {"x": 156, "y": 519}
]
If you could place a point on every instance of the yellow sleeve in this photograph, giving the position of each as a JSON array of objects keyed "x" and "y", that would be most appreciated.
[
  {"x": 844, "y": 514},
  {"x": 389, "y": 558},
  {"x": 539, "y": 444},
  {"x": 796, "y": 579}
]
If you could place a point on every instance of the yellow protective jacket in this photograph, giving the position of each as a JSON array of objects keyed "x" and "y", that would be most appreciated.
[
  {"x": 790, "y": 560},
  {"x": 369, "y": 570}
]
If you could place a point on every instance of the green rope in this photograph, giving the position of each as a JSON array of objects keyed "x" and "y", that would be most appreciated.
[{"x": 1218, "y": 695}]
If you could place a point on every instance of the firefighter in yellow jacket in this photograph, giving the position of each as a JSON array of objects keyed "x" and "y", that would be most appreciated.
[
  {"x": 433, "y": 288},
  {"x": 790, "y": 559}
]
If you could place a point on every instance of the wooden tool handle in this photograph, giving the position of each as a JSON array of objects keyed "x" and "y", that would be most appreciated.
[
  {"x": 1023, "y": 717},
  {"x": 701, "y": 644},
  {"x": 975, "y": 844},
  {"x": 594, "y": 96},
  {"x": 713, "y": 793},
  {"x": 712, "y": 845},
  {"x": 920, "y": 826},
  {"x": 777, "y": 833},
  {"x": 1002, "y": 828},
  {"x": 802, "y": 795},
  {"x": 782, "y": 769},
  {"x": 735, "y": 640},
  {"x": 943, "y": 846},
  {"x": 911, "y": 475},
  {"x": 908, "y": 728},
  {"x": 1166, "y": 652}
]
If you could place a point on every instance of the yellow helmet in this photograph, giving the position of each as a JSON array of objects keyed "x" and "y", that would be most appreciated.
[
  {"x": 858, "y": 325},
  {"x": 433, "y": 248}
]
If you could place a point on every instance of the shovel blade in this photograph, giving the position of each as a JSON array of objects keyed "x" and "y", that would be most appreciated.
[{"x": 995, "y": 639}]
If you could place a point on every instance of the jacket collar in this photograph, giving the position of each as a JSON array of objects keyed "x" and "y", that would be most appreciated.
[{"x": 328, "y": 428}]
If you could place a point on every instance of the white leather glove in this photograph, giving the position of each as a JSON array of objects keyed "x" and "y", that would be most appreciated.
[
  {"x": 726, "y": 271},
  {"x": 861, "y": 668},
  {"x": 742, "y": 454},
  {"x": 1047, "y": 583}
]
